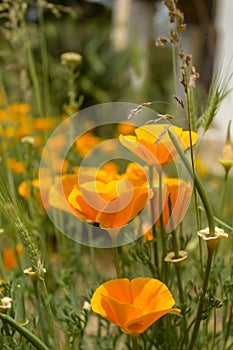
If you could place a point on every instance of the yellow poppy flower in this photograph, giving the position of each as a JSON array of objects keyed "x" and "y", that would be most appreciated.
[
  {"x": 133, "y": 305},
  {"x": 152, "y": 142}
]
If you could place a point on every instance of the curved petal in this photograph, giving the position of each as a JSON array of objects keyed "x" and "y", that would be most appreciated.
[
  {"x": 140, "y": 324},
  {"x": 151, "y": 294},
  {"x": 118, "y": 289}
]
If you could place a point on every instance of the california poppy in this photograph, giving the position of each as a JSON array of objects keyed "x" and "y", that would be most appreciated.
[
  {"x": 10, "y": 256},
  {"x": 152, "y": 142},
  {"x": 133, "y": 305},
  {"x": 179, "y": 193},
  {"x": 112, "y": 205},
  {"x": 109, "y": 199}
]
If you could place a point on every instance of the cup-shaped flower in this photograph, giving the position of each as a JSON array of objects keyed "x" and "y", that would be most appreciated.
[
  {"x": 153, "y": 144},
  {"x": 109, "y": 199},
  {"x": 171, "y": 257},
  {"x": 179, "y": 193},
  {"x": 212, "y": 241},
  {"x": 112, "y": 205},
  {"x": 133, "y": 305}
]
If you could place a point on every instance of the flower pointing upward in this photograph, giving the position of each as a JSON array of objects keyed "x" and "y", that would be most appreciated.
[{"x": 133, "y": 305}]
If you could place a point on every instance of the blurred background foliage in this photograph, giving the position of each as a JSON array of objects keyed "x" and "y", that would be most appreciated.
[{"x": 35, "y": 34}]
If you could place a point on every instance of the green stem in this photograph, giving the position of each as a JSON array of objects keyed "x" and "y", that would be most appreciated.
[
  {"x": 215, "y": 333},
  {"x": 162, "y": 229},
  {"x": 228, "y": 325},
  {"x": 152, "y": 207},
  {"x": 187, "y": 92},
  {"x": 92, "y": 251},
  {"x": 200, "y": 247},
  {"x": 198, "y": 184},
  {"x": 2, "y": 269},
  {"x": 174, "y": 67},
  {"x": 220, "y": 222},
  {"x": 44, "y": 331},
  {"x": 51, "y": 315},
  {"x": 201, "y": 301},
  {"x": 223, "y": 193},
  {"x": 44, "y": 60},
  {"x": 173, "y": 231},
  {"x": 117, "y": 262},
  {"x": 35, "y": 81},
  {"x": 34, "y": 340},
  {"x": 134, "y": 343}
]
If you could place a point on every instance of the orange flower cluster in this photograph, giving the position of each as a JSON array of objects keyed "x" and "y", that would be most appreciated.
[
  {"x": 17, "y": 121},
  {"x": 111, "y": 199}
]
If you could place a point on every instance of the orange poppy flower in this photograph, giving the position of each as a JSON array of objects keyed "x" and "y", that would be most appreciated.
[
  {"x": 86, "y": 142},
  {"x": 152, "y": 142},
  {"x": 133, "y": 305},
  {"x": 136, "y": 174},
  {"x": 96, "y": 195},
  {"x": 15, "y": 165},
  {"x": 9, "y": 257},
  {"x": 112, "y": 205},
  {"x": 180, "y": 193},
  {"x": 38, "y": 188}
]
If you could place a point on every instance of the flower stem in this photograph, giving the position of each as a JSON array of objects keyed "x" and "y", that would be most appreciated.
[
  {"x": 44, "y": 330},
  {"x": 134, "y": 343},
  {"x": 152, "y": 207},
  {"x": 201, "y": 300},
  {"x": 162, "y": 229},
  {"x": 198, "y": 184},
  {"x": 34, "y": 340},
  {"x": 223, "y": 193},
  {"x": 117, "y": 262}
]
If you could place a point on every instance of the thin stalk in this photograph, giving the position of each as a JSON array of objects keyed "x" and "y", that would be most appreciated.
[
  {"x": 44, "y": 60},
  {"x": 113, "y": 233},
  {"x": 177, "y": 256},
  {"x": 44, "y": 331},
  {"x": 173, "y": 231},
  {"x": 228, "y": 325},
  {"x": 220, "y": 222},
  {"x": 152, "y": 207},
  {"x": 191, "y": 152},
  {"x": 215, "y": 331},
  {"x": 223, "y": 193},
  {"x": 162, "y": 229},
  {"x": 199, "y": 186},
  {"x": 134, "y": 343},
  {"x": 2, "y": 269},
  {"x": 35, "y": 81},
  {"x": 117, "y": 262},
  {"x": 174, "y": 67},
  {"x": 50, "y": 314},
  {"x": 201, "y": 301},
  {"x": 200, "y": 247},
  {"x": 32, "y": 338},
  {"x": 92, "y": 251}
]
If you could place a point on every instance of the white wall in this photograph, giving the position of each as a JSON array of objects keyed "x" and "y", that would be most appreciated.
[{"x": 224, "y": 59}]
